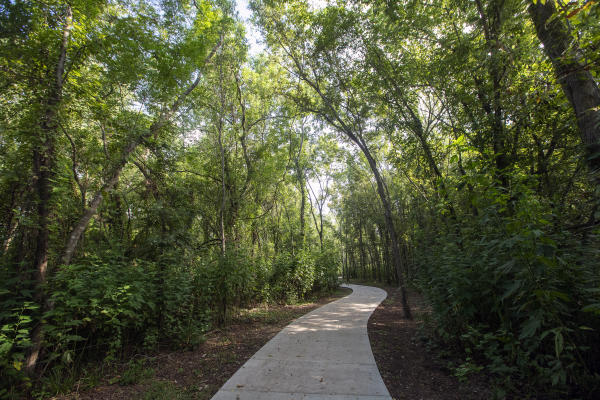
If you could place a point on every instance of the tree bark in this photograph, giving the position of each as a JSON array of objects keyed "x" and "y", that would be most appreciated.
[
  {"x": 43, "y": 169},
  {"x": 396, "y": 254},
  {"x": 318, "y": 227},
  {"x": 222, "y": 207},
  {"x": 301, "y": 183},
  {"x": 491, "y": 22},
  {"x": 577, "y": 83},
  {"x": 223, "y": 187}
]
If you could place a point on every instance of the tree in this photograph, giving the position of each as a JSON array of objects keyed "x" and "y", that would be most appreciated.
[
  {"x": 577, "y": 82},
  {"x": 317, "y": 62}
]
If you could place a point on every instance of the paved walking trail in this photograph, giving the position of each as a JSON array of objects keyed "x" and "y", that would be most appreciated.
[{"x": 324, "y": 354}]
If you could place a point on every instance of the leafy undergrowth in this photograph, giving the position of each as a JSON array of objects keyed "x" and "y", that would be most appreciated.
[
  {"x": 408, "y": 369},
  {"x": 197, "y": 373}
]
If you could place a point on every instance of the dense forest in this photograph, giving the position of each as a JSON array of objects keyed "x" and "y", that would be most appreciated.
[{"x": 158, "y": 173}]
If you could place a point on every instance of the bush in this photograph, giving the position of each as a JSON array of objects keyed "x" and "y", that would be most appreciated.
[
  {"x": 231, "y": 281},
  {"x": 17, "y": 311},
  {"x": 326, "y": 269},
  {"x": 519, "y": 296},
  {"x": 104, "y": 303},
  {"x": 293, "y": 276}
]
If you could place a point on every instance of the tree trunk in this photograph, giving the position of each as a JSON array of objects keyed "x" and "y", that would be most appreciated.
[
  {"x": 301, "y": 183},
  {"x": 578, "y": 84},
  {"x": 389, "y": 222},
  {"x": 318, "y": 226},
  {"x": 491, "y": 22},
  {"x": 223, "y": 176},
  {"x": 361, "y": 249},
  {"x": 43, "y": 170}
]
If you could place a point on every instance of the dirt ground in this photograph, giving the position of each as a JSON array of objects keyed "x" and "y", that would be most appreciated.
[
  {"x": 198, "y": 374},
  {"x": 408, "y": 369}
]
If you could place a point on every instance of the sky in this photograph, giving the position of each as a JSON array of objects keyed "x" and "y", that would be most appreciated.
[{"x": 253, "y": 36}]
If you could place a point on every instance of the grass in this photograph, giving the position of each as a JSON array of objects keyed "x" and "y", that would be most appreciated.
[
  {"x": 160, "y": 390},
  {"x": 136, "y": 372},
  {"x": 267, "y": 314}
]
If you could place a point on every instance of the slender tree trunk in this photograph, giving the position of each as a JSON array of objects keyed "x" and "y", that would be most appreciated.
[
  {"x": 577, "y": 82},
  {"x": 491, "y": 22},
  {"x": 361, "y": 248},
  {"x": 375, "y": 254},
  {"x": 417, "y": 128},
  {"x": 321, "y": 227},
  {"x": 223, "y": 192},
  {"x": 396, "y": 254},
  {"x": 301, "y": 183},
  {"x": 43, "y": 169},
  {"x": 223, "y": 177},
  {"x": 352, "y": 263},
  {"x": 302, "y": 212},
  {"x": 318, "y": 226},
  {"x": 11, "y": 222}
]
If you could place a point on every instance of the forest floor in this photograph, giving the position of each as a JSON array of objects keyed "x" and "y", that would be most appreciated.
[
  {"x": 408, "y": 369},
  {"x": 199, "y": 373}
]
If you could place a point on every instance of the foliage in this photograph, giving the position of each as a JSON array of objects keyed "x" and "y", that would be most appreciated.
[
  {"x": 156, "y": 175},
  {"x": 474, "y": 133},
  {"x": 16, "y": 323},
  {"x": 518, "y": 295}
]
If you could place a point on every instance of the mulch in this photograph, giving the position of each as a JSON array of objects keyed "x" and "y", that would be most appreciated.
[{"x": 408, "y": 369}]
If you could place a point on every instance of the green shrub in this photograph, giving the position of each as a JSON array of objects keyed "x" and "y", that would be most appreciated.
[
  {"x": 519, "y": 296},
  {"x": 293, "y": 276},
  {"x": 17, "y": 311},
  {"x": 231, "y": 281},
  {"x": 103, "y": 303},
  {"x": 326, "y": 269}
]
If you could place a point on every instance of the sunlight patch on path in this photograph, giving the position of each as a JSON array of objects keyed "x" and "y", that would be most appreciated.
[{"x": 324, "y": 354}]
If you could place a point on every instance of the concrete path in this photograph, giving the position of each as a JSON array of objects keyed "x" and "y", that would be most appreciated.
[{"x": 324, "y": 354}]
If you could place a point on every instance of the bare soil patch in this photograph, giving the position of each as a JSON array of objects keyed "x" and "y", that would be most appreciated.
[
  {"x": 199, "y": 373},
  {"x": 408, "y": 369}
]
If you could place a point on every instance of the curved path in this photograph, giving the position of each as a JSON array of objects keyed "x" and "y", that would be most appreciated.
[{"x": 324, "y": 354}]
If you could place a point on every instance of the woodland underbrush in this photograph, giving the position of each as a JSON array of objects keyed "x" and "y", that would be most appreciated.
[
  {"x": 518, "y": 298},
  {"x": 104, "y": 308}
]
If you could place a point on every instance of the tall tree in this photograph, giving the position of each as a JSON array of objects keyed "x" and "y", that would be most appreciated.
[
  {"x": 573, "y": 74},
  {"x": 328, "y": 75}
]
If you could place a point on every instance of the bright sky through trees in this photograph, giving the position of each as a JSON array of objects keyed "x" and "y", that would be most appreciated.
[{"x": 255, "y": 39}]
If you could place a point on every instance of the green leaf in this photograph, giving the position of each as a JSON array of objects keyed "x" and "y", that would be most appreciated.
[
  {"x": 530, "y": 327},
  {"x": 512, "y": 288},
  {"x": 558, "y": 343},
  {"x": 592, "y": 308}
]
